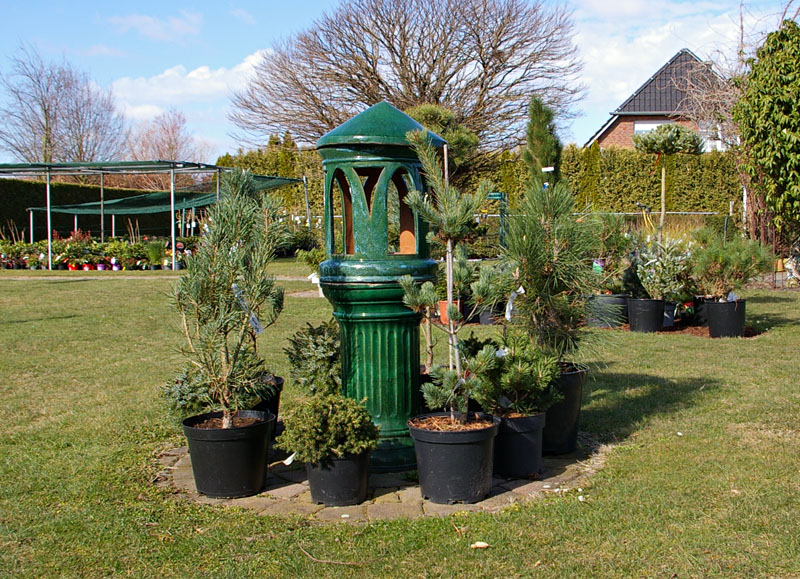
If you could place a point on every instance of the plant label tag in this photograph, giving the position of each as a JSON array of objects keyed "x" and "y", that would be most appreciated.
[
  {"x": 290, "y": 459},
  {"x": 257, "y": 327}
]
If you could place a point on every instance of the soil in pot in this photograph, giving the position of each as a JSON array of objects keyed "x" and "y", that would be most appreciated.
[
  {"x": 560, "y": 435},
  {"x": 607, "y": 310},
  {"x": 645, "y": 315},
  {"x": 518, "y": 446},
  {"x": 339, "y": 482},
  {"x": 454, "y": 466},
  {"x": 229, "y": 462},
  {"x": 725, "y": 319}
]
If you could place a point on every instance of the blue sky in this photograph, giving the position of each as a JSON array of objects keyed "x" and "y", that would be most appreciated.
[{"x": 192, "y": 55}]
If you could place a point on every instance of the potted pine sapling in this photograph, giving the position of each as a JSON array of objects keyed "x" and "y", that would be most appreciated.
[
  {"x": 663, "y": 270},
  {"x": 551, "y": 248},
  {"x": 720, "y": 267},
  {"x": 454, "y": 449},
  {"x": 225, "y": 300},
  {"x": 331, "y": 433},
  {"x": 518, "y": 390}
]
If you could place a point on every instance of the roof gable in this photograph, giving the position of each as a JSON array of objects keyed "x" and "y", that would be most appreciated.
[{"x": 661, "y": 94}]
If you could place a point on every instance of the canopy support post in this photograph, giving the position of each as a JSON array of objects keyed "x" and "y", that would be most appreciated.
[
  {"x": 308, "y": 209},
  {"x": 49, "y": 226},
  {"x": 75, "y": 223},
  {"x": 30, "y": 219},
  {"x": 172, "y": 214},
  {"x": 113, "y": 226},
  {"x": 102, "y": 213}
]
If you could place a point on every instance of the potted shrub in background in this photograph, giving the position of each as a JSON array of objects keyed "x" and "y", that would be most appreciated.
[
  {"x": 155, "y": 252},
  {"x": 663, "y": 270},
  {"x": 225, "y": 299},
  {"x": 609, "y": 307},
  {"x": 519, "y": 392},
  {"x": 721, "y": 267},
  {"x": 551, "y": 248},
  {"x": 454, "y": 449}
]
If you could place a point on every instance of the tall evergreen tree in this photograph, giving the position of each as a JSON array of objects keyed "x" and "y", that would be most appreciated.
[{"x": 543, "y": 145}]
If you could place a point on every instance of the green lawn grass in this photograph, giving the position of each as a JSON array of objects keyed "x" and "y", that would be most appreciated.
[{"x": 81, "y": 368}]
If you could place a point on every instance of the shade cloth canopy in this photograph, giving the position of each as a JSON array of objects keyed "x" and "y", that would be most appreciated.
[{"x": 158, "y": 202}]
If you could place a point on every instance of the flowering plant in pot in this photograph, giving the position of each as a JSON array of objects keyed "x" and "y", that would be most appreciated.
[
  {"x": 663, "y": 270},
  {"x": 454, "y": 448},
  {"x": 225, "y": 299},
  {"x": 720, "y": 267},
  {"x": 551, "y": 249}
]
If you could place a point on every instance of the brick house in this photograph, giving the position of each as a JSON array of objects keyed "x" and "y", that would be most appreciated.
[{"x": 656, "y": 102}]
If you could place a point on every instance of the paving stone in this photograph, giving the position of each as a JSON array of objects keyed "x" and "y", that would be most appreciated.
[
  {"x": 525, "y": 487},
  {"x": 204, "y": 500},
  {"x": 184, "y": 461},
  {"x": 168, "y": 459},
  {"x": 255, "y": 503},
  {"x": 282, "y": 508},
  {"x": 184, "y": 479},
  {"x": 386, "y": 495},
  {"x": 498, "y": 500},
  {"x": 439, "y": 510},
  {"x": 409, "y": 495},
  {"x": 394, "y": 511},
  {"x": 287, "y": 491},
  {"x": 350, "y": 514}
]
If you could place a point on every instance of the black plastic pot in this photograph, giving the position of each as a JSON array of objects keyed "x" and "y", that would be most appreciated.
[
  {"x": 725, "y": 319},
  {"x": 229, "y": 462},
  {"x": 607, "y": 310},
  {"x": 339, "y": 482},
  {"x": 645, "y": 315},
  {"x": 669, "y": 314},
  {"x": 518, "y": 446},
  {"x": 699, "y": 318},
  {"x": 455, "y": 466},
  {"x": 560, "y": 435},
  {"x": 272, "y": 404}
]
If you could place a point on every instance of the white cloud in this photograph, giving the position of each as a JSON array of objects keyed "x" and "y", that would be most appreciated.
[
  {"x": 243, "y": 15},
  {"x": 140, "y": 113},
  {"x": 175, "y": 29},
  {"x": 177, "y": 86}
]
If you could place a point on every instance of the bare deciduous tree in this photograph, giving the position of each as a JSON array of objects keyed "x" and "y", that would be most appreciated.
[
  {"x": 164, "y": 138},
  {"x": 55, "y": 113},
  {"x": 713, "y": 90},
  {"x": 481, "y": 59}
]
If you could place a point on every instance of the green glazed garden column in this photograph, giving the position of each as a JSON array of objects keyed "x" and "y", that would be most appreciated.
[{"x": 369, "y": 168}]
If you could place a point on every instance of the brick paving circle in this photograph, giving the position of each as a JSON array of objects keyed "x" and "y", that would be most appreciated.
[{"x": 391, "y": 495}]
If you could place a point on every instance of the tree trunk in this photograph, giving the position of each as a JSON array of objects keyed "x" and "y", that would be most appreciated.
[{"x": 662, "y": 218}]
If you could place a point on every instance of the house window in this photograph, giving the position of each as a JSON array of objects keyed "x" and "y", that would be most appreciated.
[{"x": 640, "y": 127}]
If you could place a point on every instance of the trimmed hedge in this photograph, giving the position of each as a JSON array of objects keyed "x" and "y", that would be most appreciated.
[
  {"x": 614, "y": 179},
  {"x": 17, "y": 195}
]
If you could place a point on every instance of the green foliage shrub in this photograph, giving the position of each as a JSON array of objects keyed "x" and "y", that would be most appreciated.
[{"x": 326, "y": 427}]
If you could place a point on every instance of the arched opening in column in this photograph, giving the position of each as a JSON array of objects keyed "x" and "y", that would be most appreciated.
[
  {"x": 341, "y": 183},
  {"x": 403, "y": 216}
]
